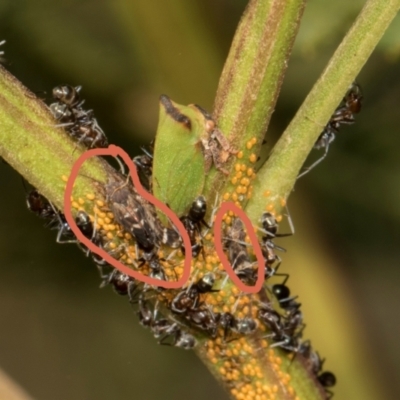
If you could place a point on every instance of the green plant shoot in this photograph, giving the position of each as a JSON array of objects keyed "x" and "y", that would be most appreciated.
[{"x": 180, "y": 160}]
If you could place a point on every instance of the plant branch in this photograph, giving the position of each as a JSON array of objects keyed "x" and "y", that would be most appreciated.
[
  {"x": 252, "y": 76},
  {"x": 41, "y": 152},
  {"x": 275, "y": 180}
]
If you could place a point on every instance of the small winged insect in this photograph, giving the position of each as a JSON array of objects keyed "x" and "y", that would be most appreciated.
[
  {"x": 133, "y": 215},
  {"x": 343, "y": 115},
  {"x": 192, "y": 223},
  {"x": 138, "y": 217},
  {"x": 79, "y": 123},
  {"x": 237, "y": 253}
]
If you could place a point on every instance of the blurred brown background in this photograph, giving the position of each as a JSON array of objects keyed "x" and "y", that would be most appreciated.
[{"x": 63, "y": 338}]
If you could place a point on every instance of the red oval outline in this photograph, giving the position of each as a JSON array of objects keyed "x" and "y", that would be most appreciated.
[
  {"x": 229, "y": 206},
  {"x": 113, "y": 150}
]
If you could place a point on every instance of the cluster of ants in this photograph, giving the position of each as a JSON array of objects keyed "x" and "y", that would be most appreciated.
[
  {"x": 187, "y": 309},
  {"x": 78, "y": 122}
]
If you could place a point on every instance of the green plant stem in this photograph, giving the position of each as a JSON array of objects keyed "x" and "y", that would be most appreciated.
[
  {"x": 278, "y": 176},
  {"x": 32, "y": 144},
  {"x": 255, "y": 67},
  {"x": 253, "y": 73}
]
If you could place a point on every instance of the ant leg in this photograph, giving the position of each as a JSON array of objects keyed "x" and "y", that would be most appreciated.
[
  {"x": 224, "y": 281},
  {"x": 132, "y": 286},
  {"x": 146, "y": 152},
  {"x": 214, "y": 211},
  {"x": 107, "y": 278},
  {"x": 290, "y": 222},
  {"x": 1, "y": 44},
  {"x": 121, "y": 166},
  {"x": 92, "y": 239},
  {"x": 172, "y": 330},
  {"x": 269, "y": 272},
  {"x": 312, "y": 166},
  {"x": 64, "y": 124},
  {"x": 63, "y": 229}
]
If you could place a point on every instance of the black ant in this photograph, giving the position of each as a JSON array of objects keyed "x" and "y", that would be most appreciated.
[
  {"x": 343, "y": 115},
  {"x": 286, "y": 329},
  {"x": 270, "y": 229},
  {"x": 187, "y": 302},
  {"x": 80, "y": 123},
  {"x": 180, "y": 338},
  {"x": 327, "y": 379},
  {"x": 163, "y": 329},
  {"x": 65, "y": 233},
  {"x": 157, "y": 270},
  {"x": 242, "y": 326},
  {"x": 39, "y": 205},
  {"x": 146, "y": 316},
  {"x": 68, "y": 95},
  {"x": 312, "y": 357},
  {"x": 43, "y": 208},
  {"x": 270, "y": 317},
  {"x": 203, "y": 318},
  {"x": 192, "y": 223},
  {"x": 122, "y": 284},
  {"x": 188, "y": 299},
  {"x": 282, "y": 294}
]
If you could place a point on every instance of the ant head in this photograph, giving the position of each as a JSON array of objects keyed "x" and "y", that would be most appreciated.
[
  {"x": 198, "y": 209},
  {"x": 281, "y": 291},
  {"x": 269, "y": 223},
  {"x": 84, "y": 224},
  {"x": 60, "y": 111},
  {"x": 246, "y": 325},
  {"x": 67, "y": 94},
  {"x": 206, "y": 283},
  {"x": 327, "y": 379}
]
